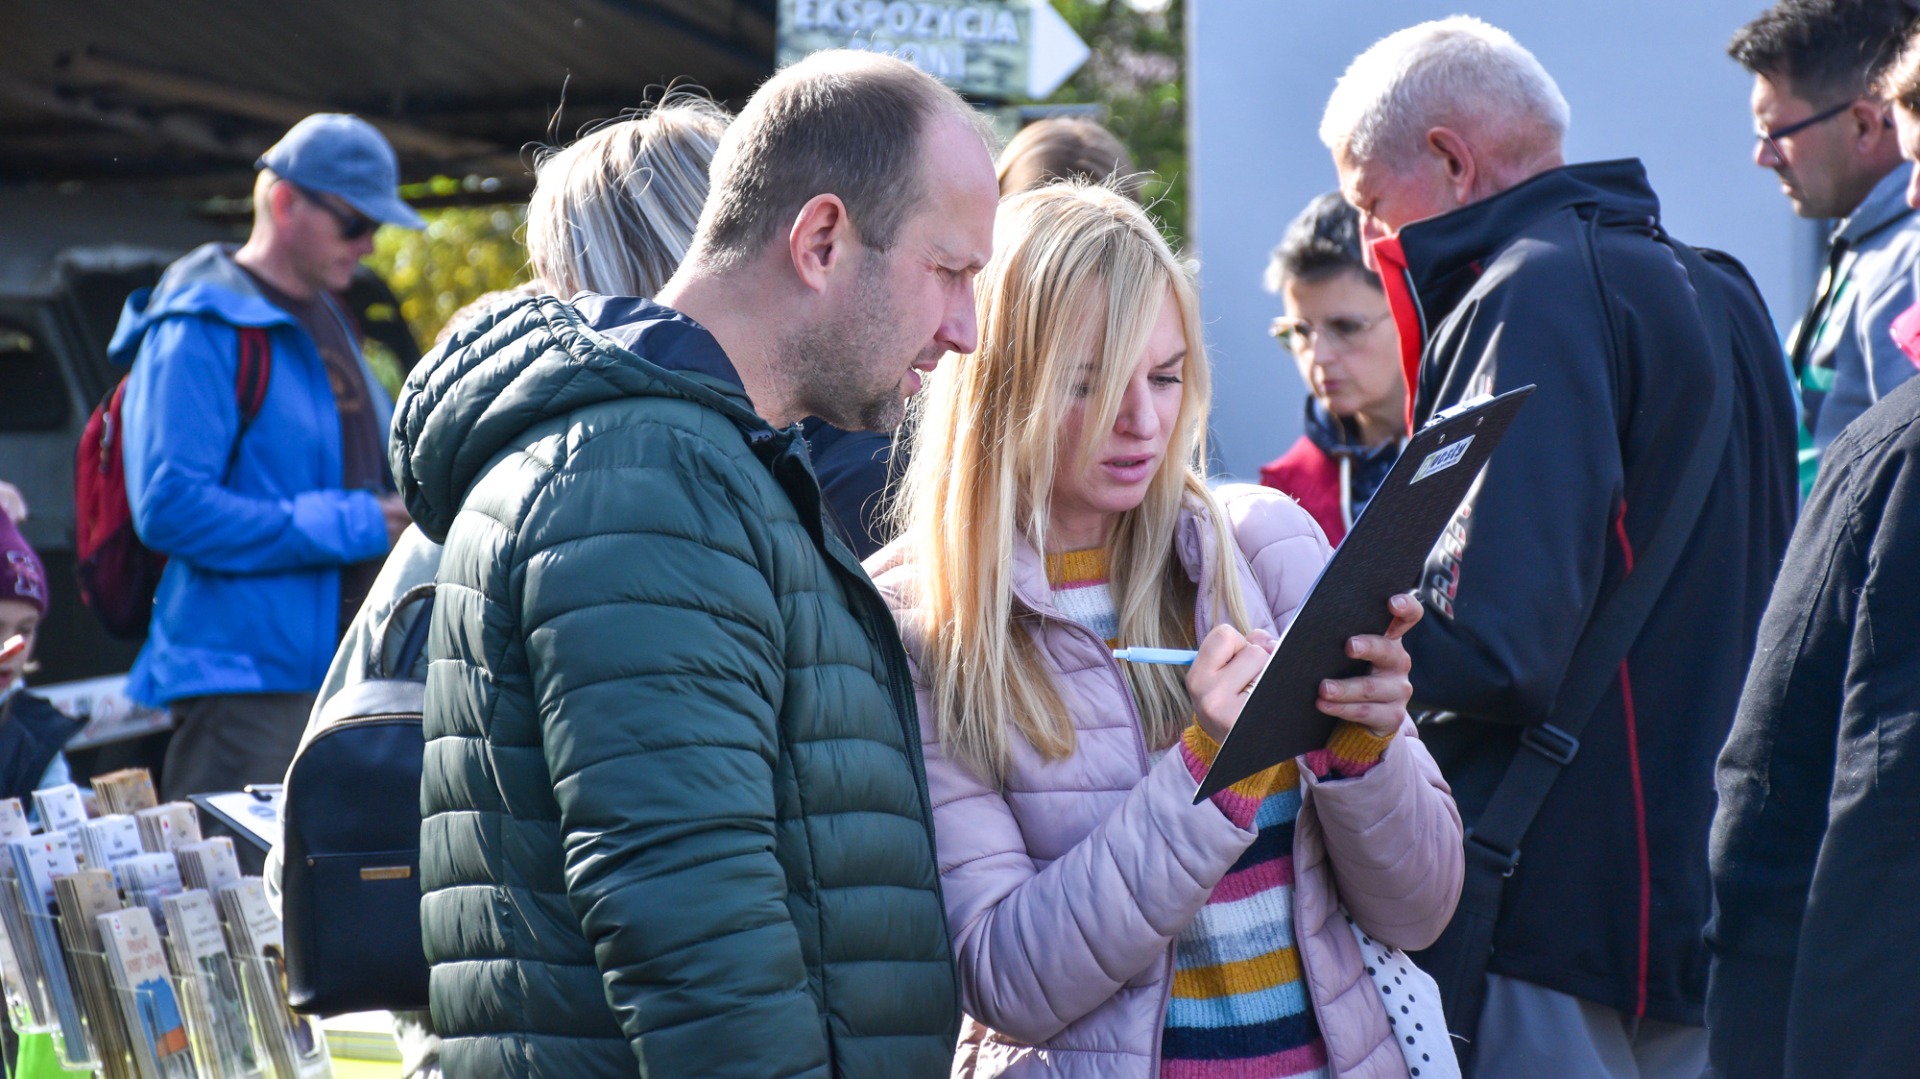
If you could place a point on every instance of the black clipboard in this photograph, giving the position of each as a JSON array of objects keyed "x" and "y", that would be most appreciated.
[{"x": 1381, "y": 557}]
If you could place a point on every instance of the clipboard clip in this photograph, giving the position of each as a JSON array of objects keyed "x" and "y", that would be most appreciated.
[{"x": 1464, "y": 405}]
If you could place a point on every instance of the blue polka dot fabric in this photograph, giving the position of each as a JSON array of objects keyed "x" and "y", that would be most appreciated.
[{"x": 1412, "y": 1001}]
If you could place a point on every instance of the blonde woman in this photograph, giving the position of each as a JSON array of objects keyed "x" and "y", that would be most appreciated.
[
  {"x": 1104, "y": 924},
  {"x": 613, "y": 211}
]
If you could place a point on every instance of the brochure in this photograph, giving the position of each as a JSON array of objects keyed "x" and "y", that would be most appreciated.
[
  {"x": 209, "y": 865},
  {"x": 144, "y": 987},
  {"x": 83, "y": 897},
  {"x": 166, "y": 827},
  {"x": 127, "y": 791},
  {"x": 35, "y": 862},
  {"x": 255, "y": 938},
  {"x": 13, "y": 820},
  {"x": 60, "y": 808},
  {"x": 107, "y": 841},
  {"x": 210, "y": 986}
]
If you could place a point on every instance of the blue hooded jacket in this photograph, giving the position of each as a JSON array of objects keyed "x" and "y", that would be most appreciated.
[{"x": 250, "y": 598}]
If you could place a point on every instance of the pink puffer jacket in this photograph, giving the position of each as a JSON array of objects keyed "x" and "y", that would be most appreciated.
[{"x": 1065, "y": 890}]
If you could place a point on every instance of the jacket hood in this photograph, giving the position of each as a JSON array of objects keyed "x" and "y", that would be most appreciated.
[
  {"x": 524, "y": 363},
  {"x": 205, "y": 281}
]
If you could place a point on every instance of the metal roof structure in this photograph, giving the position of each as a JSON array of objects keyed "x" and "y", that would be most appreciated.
[{"x": 181, "y": 96}]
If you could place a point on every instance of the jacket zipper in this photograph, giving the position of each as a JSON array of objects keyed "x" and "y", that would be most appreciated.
[
  {"x": 1146, "y": 765},
  {"x": 906, "y": 712},
  {"x": 885, "y": 637}
]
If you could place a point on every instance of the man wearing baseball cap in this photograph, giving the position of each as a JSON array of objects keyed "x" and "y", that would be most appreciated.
[{"x": 273, "y": 525}]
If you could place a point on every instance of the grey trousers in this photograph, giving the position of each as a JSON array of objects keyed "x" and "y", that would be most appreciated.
[
  {"x": 1527, "y": 1032},
  {"x": 224, "y": 743}
]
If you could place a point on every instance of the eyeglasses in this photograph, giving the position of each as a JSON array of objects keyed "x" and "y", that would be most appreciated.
[
  {"x": 1299, "y": 335},
  {"x": 352, "y": 224},
  {"x": 1771, "y": 137}
]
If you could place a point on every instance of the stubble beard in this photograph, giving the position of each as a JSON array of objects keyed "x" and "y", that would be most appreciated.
[{"x": 831, "y": 366}]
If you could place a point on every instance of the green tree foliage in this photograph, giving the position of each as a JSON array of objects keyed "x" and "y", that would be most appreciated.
[
  {"x": 1138, "y": 71},
  {"x": 463, "y": 253}
]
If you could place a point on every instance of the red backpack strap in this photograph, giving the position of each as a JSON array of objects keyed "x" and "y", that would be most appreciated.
[
  {"x": 250, "y": 380},
  {"x": 256, "y": 368}
]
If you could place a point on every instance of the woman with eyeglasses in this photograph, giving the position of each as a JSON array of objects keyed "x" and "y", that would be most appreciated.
[
  {"x": 1105, "y": 925},
  {"x": 1340, "y": 333}
]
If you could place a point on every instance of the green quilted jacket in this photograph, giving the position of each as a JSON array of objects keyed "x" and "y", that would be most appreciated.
[{"x": 676, "y": 818}]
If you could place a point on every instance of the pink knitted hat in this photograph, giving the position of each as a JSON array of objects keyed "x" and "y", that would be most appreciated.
[{"x": 22, "y": 577}]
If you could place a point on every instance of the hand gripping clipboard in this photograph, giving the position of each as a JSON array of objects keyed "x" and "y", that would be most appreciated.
[{"x": 1381, "y": 557}]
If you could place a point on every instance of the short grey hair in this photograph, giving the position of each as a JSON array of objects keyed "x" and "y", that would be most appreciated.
[
  {"x": 1457, "y": 71},
  {"x": 614, "y": 212}
]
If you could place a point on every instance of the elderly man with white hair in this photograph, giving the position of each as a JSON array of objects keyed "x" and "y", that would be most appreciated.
[{"x": 1592, "y": 608}]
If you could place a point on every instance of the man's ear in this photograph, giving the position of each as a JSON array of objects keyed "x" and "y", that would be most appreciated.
[
  {"x": 1455, "y": 156},
  {"x": 1872, "y": 121},
  {"x": 819, "y": 240},
  {"x": 280, "y": 199}
]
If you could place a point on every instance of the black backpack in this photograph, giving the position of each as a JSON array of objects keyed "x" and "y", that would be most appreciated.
[{"x": 350, "y": 879}]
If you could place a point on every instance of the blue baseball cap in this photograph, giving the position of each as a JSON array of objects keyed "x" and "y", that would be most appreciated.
[{"x": 343, "y": 155}]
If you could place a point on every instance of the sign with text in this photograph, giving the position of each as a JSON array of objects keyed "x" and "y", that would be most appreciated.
[{"x": 995, "y": 49}]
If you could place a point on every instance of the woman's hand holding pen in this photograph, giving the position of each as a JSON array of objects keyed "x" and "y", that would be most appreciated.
[
  {"x": 1227, "y": 664},
  {"x": 1222, "y": 675},
  {"x": 1377, "y": 701}
]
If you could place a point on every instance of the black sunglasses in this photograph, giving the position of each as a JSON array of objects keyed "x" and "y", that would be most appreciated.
[{"x": 352, "y": 224}]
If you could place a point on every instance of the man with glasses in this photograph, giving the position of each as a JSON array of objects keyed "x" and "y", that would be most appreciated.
[
  {"x": 275, "y": 522},
  {"x": 1821, "y": 129}
]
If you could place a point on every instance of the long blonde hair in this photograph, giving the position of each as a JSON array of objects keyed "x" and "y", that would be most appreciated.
[
  {"x": 614, "y": 212},
  {"x": 1078, "y": 277}
]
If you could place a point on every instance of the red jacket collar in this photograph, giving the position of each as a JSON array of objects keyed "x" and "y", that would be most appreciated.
[{"x": 1405, "y": 307}]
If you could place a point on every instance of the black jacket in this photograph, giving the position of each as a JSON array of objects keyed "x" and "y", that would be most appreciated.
[
  {"x": 1816, "y": 848},
  {"x": 1567, "y": 281}
]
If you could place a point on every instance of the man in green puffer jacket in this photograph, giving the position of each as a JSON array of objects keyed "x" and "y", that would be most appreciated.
[{"x": 676, "y": 815}]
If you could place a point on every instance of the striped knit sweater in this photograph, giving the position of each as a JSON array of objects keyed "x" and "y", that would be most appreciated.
[
  {"x": 1081, "y": 592},
  {"x": 1239, "y": 1008}
]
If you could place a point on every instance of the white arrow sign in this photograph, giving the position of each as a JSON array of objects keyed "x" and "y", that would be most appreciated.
[
  {"x": 993, "y": 49},
  {"x": 1055, "y": 51}
]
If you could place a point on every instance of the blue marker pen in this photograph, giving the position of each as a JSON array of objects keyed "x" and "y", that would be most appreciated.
[{"x": 1173, "y": 657}]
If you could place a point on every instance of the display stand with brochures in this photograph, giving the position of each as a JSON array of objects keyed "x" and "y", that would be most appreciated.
[{"x": 138, "y": 946}]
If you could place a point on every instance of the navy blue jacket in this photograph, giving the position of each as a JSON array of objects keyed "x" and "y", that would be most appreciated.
[
  {"x": 250, "y": 601},
  {"x": 855, "y": 468},
  {"x": 1568, "y": 282},
  {"x": 32, "y": 731}
]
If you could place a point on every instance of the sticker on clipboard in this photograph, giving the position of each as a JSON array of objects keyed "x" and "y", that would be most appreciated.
[{"x": 1442, "y": 459}]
